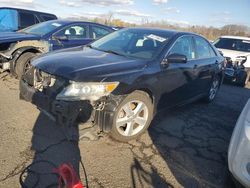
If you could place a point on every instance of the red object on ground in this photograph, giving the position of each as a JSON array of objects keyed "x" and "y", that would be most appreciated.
[{"x": 68, "y": 176}]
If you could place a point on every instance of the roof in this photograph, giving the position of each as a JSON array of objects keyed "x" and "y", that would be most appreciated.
[
  {"x": 236, "y": 37},
  {"x": 13, "y": 8},
  {"x": 62, "y": 21},
  {"x": 160, "y": 30}
]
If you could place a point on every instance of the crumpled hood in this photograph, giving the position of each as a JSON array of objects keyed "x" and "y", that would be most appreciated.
[
  {"x": 16, "y": 36},
  {"x": 233, "y": 53},
  {"x": 86, "y": 64}
]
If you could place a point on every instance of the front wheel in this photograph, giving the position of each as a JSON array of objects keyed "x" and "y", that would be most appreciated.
[
  {"x": 132, "y": 117},
  {"x": 23, "y": 64}
]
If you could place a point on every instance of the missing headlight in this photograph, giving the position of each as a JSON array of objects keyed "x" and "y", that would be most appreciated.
[{"x": 43, "y": 80}]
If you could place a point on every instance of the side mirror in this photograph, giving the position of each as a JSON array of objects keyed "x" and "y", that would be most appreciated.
[
  {"x": 61, "y": 38},
  {"x": 175, "y": 58}
]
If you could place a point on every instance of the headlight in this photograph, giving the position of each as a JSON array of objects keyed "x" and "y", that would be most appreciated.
[{"x": 86, "y": 91}]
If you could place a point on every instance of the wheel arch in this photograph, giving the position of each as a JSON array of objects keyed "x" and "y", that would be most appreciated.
[
  {"x": 19, "y": 52},
  {"x": 104, "y": 118}
]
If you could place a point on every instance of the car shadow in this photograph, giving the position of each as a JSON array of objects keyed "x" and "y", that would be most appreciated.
[
  {"x": 51, "y": 149},
  {"x": 193, "y": 139}
]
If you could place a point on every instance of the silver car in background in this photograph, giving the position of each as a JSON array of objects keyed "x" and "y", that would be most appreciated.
[{"x": 239, "y": 148}]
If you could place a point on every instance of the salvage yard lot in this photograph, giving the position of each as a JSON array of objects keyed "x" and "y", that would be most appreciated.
[{"x": 185, "y": 147}]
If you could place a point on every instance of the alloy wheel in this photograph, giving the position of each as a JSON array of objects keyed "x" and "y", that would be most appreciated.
[
  {"x": 132, "y": 118},
  {"x": 214, "y": 88},
  {"x": 26, "y": 67}
]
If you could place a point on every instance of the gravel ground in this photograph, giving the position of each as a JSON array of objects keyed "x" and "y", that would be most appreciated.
[{"x": 184, "y": 147}]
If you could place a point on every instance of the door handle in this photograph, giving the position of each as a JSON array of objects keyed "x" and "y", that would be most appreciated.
[{"x": 195, "y": 66}]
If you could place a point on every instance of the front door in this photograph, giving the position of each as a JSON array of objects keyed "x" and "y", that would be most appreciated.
[
  {"x": 177, "y": 78},
  {"x": 71, "y": 36}
]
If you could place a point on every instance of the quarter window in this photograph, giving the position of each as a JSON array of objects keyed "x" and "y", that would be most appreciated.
[
  {"x": 184, "y": 46},
  {"x": 47, "y": 17},
  {"x": 203, "y": 49}
]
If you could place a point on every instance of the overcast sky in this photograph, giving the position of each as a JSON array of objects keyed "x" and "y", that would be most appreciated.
[{"x": 192, "y": 12}]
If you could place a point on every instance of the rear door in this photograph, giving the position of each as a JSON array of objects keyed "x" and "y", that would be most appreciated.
[
  {"x": 71, "y": 36},
  {"x": 206, "y": 61}
]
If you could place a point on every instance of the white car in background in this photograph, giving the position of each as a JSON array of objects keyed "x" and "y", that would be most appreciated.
[
  {"x": 239, "y": 148},
  {"x": 236, "y": 50},
  {"x": 234, "y": 47}
]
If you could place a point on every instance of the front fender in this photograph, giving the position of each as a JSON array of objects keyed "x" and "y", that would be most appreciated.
[{"x": 16, "y": 54}]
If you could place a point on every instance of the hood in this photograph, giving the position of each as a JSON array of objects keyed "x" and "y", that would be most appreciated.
[
  {"x": 233, "y": 53},
  {"x": 16, "y": 36},
  {"x": 86, "y": 64}
]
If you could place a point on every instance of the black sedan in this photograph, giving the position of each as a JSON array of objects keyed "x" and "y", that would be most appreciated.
[{"x": 126, "y": 77}]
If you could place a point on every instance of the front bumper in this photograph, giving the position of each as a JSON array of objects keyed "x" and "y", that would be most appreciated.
[
  {"x": 63, "y": 112},
  {"x": 67, "y": 113}
]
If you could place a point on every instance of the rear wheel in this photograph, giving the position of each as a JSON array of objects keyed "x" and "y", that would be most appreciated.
[
  {"x": 213, "y": 89},
  {"x": 242, "y": 79},
  {"x": 23, "y": 63},
  {"x": 248, "y": 77},
  {"x": 132, "y": 117}
]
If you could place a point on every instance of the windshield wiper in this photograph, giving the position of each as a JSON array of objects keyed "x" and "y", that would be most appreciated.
[
  {"x": 89, "y": 45},
  {"x": 111, "y": 52},
  {"x": 107, "y": 51}
]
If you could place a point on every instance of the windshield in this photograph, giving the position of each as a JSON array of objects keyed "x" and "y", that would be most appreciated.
[
  {"x": 8, "y": 20},
  {"x": 42, "y": 28},
  {"x": 233, "y": 44},
  {"x": 137, "y": 43}
]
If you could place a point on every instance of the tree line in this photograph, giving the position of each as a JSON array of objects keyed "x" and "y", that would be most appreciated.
[{"x": 211, "y": 33}]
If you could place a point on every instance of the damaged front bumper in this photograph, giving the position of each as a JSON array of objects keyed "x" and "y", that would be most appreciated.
[
  {"x": 63, "y": 112},
  {"x": 4, "y": 62},
  {"x": 67, "y": 113}
]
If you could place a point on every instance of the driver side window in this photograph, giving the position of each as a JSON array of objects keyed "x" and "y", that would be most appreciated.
[
  {"x": 74, "y": 32},
  {"x": 184, "y": 46}
]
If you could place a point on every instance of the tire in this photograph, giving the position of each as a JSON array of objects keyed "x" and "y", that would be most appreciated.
[
  {"x": 139, "y": 107},
  {"x": 248, "y": 77},
  {"x": 242, "y": 79},
  {"x": 213, "y": 90},
  {"x": 23, "y": 63}
]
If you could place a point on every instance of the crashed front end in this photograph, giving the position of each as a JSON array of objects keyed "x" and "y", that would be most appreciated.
[
  {"x": 11, "y": 51},
  {"x": 68, "y": 102},
  {"x": 5, "y": 56}
]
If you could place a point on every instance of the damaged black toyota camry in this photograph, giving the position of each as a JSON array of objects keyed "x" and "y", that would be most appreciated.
[{"x": 124, "y": 78}]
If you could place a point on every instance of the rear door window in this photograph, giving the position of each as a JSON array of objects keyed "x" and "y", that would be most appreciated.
[
  {"x": 27, "y": 19},
  {"x": 203, "y": 48},
  {"x": 98, "y": 32}
]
